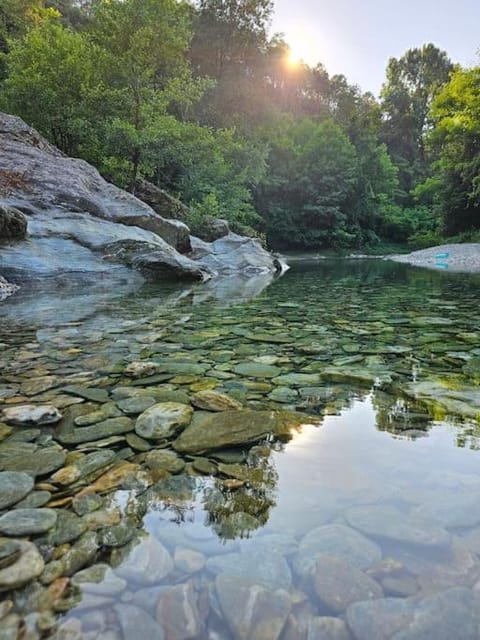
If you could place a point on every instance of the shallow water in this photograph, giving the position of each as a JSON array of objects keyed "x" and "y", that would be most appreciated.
[{"x": 365, "y": 525}]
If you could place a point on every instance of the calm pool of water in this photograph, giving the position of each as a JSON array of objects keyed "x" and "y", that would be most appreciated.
[{"x": 363, "y": 523}]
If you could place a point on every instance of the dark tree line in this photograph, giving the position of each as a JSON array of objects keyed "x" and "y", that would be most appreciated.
[{"x": 199, "y": 99}]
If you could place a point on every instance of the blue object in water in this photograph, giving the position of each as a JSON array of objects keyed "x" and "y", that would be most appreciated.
[
  {"x": 442, "y": 265},
  {"x": 441, "y": 256}
]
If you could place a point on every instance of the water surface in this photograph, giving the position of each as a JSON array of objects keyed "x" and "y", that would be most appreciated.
[{"x": 363, "y": 524}]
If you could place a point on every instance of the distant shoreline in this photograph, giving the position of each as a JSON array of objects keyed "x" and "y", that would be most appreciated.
[{"x": 464, "y": 257}]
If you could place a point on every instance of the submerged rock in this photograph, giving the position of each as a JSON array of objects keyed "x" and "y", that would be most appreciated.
[
  {"x": 13, "y": 487},
  {"x": 27, "y": 567},
  {"x": 26, "y": 522},
  {"x": 163, "y": 420},
  {"x": 251, "y": 611},
  {"x": 29, "y": 414}
]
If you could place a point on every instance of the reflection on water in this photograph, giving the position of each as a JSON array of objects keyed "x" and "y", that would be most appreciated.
[{"x": 364, "y": 526}]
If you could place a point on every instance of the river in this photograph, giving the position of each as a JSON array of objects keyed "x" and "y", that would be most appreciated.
[{"x": 361, "y": 521}]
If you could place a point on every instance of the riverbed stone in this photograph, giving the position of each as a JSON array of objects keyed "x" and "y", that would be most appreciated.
[
  {"x": 10, "y": 552},
  {"x": 29, "y": 414},
  {"x": 38, "y": 462},
  {"x": 251, "y": 611},
  {"x": 297, "y": 379},
  {"x": 179, "y": 615},
  {"x": 454, "y": 613},
  {"x": 257, "y": 370},
  {"x": 87, "y": 393},
  {"x": 68, "y": 527},
  {"x": 136, "y": 405},
  {"x": 26, "y": 522},
  {"x": 388, "y": 523},
  {"x": 270, "y": 570},
  {"x": 140, "y": 369},
  {"x": 13, "y": 487},
  {"x": 210, "y": 400},
  {"x": 148, "y": 563},
  {"x": 106, "y": 410},
  {"x": 99, "y": 431},
  {"x": 338, "y": 584},
  {"x": 335, "y": 540},
  {"x": 164, "y": 459},
  {"x": 28, "y": 566},
  {"x": 326, "y": 628},
  {"x": 137, "y": 623},
  {"x": 235, "y": 428},
  {"x": 163, "y": 420}
]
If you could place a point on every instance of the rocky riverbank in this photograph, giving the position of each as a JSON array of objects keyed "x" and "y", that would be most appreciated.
[
  {"x": 463, "y": 257},
  {"x": 61, "y": 222}
]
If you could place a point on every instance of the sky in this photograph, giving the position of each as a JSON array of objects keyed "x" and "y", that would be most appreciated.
[{"x": 357, "y": 37}]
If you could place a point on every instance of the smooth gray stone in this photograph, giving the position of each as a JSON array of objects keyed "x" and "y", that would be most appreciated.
[
  {"x": 25, "y": 522},
  {"x": 13, "y": 487}
]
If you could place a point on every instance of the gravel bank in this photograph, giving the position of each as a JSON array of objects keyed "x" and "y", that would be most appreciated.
[{"x": 451, "y": 257}]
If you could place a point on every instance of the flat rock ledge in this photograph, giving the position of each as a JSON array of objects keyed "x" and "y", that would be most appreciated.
[{"x": 463, "y": 257}]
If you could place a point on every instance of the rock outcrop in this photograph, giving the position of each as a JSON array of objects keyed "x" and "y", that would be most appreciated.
[{"x": 80, "y": 226}]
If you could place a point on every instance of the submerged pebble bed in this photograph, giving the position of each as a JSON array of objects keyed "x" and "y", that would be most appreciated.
[{"x": 153, "y": 480}]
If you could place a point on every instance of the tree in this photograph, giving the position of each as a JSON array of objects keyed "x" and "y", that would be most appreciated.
[
  {"x": 455, "y": 138},
  {"x": 412, "y": 83},
  {"x": 54, "y": 82},
  {"x": 312, "y": 175}
]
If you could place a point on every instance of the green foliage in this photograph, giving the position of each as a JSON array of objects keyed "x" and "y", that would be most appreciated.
[
  {"x": 412, "y": 83},
  {"x": 54, "y": 83},
  {"x": 196, "y": 98},
  {"x": 456, "y": 140},
  {"x": 312, "y": 173}
]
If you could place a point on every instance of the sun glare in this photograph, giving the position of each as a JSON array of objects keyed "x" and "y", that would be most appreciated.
[{"x": 304, "y": 47}]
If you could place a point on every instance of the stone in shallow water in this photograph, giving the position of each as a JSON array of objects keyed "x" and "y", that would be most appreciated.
[
  {"x": 10, "y": 552},
  {"x": 107, "y": 410},
  {"x": 39, "y": 385},
  {"x": 148, "y": 563},
  {"x": 13, "y": 487},
  {"x": 34, "y": 500},
  {"x": 163, "y": 459},
  {"x": 163, "y": 420},
  {"x": 137, "y": 623},
  {"x": 214, "y": 401},
  {"x": 25, "y": 522},
  {"x": 335, "y": 540},
  {"x": 29, "y": 566},
  {"x": 338, "y": 584},
  {"x": 88, "y": 393},
  {"x": 179, "y": 614},
  {"x": 283, "y": 395},
  {"x": 388, "y": 523},
  {"x": 251, "y": 611},
  {"x": 29, "y": 414},
  {"x": 141, "y": 369},
  {"x": 454, "y": 613},
  {"x": 68, "y": 528},
  {"x": 82, "y": 468},
  {"x": 269, "y": 570},
  {"x": 110, "y": 427},
  {"x": 39, "y": 462},
  {"x": 297, "y": 379},
  {"x": 257, "y": 370},
  {"x": 235, "y": 428},
  {"x": 134, "y": 406},
  {"x": 325, "y": 628}
]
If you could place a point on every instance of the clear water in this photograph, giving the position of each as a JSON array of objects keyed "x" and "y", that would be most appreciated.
[{"x": 388, "y": 481}]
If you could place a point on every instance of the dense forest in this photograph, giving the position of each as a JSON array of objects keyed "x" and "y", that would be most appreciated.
[{"x": 197, "y": 98}]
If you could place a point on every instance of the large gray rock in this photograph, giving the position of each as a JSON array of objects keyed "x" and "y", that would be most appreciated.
[
  {"x": 444, "y": 616},
  {"x": 80, "y": 226},
  {"x": 233, "y": 254},
  {"x": 74, "y": 215},
  {"x": 6, "y": 288}
]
